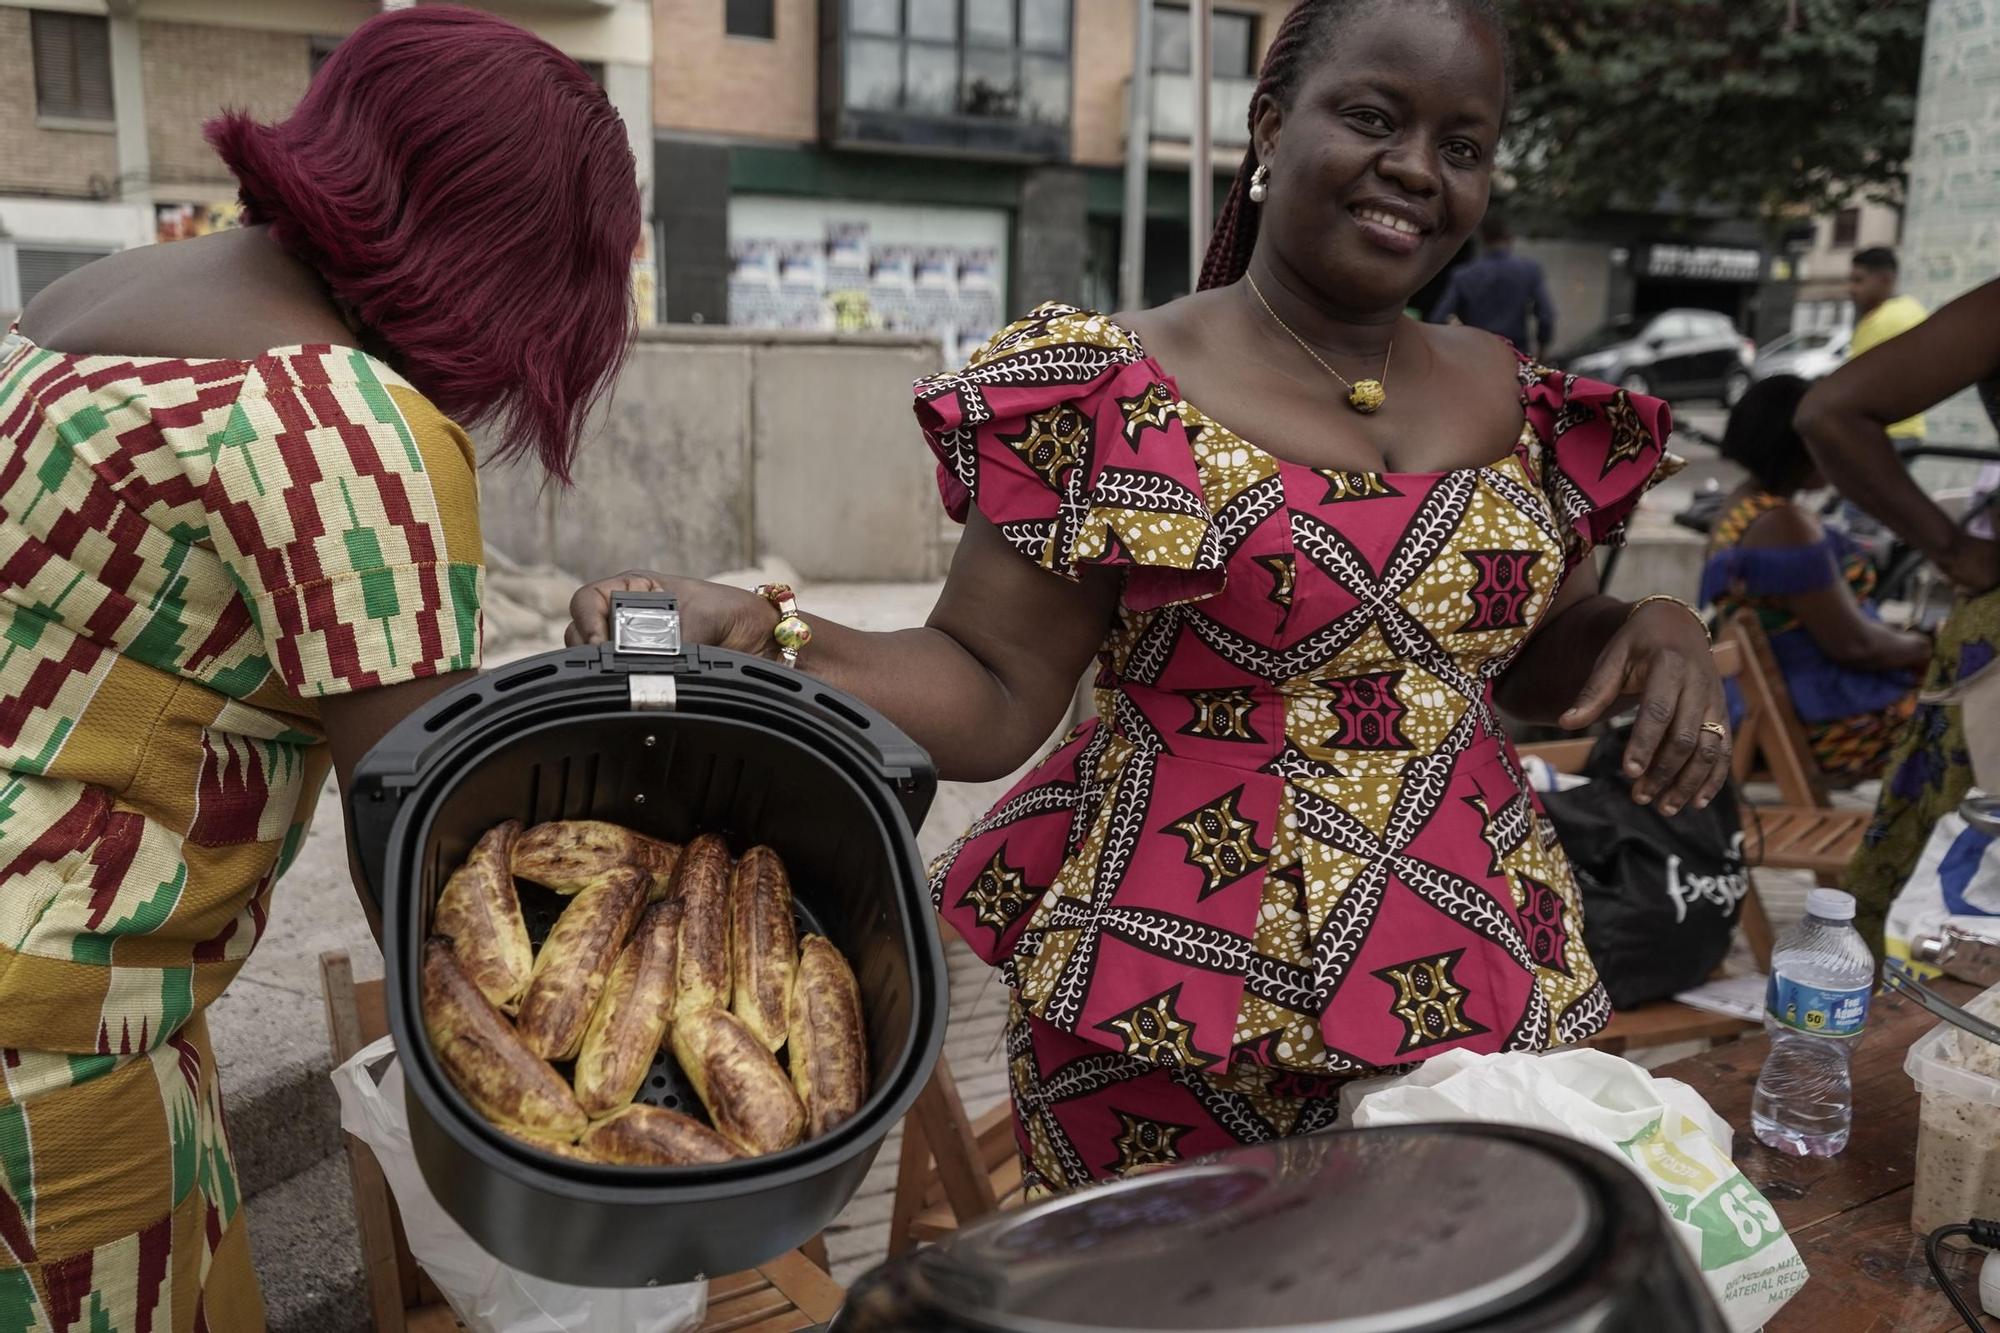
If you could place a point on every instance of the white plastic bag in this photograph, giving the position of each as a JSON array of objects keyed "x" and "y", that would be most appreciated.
[
  {"x": 1956, "y": 883},
  {"x": 487, "y": 1296},
  {"x": 1660, "y": 1128}
]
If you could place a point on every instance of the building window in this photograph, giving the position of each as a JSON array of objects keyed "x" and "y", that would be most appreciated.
[
  {"x": 750, "y": 18},
  {"x": 1232, "y": 42},
  {"x": 986, "y": 59},
  {"x": 72, "y": 55},
  {"x": 1847, "y": 229}
]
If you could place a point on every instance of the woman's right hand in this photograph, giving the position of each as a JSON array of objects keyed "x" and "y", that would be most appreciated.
[{"x": 711, "y": 613}]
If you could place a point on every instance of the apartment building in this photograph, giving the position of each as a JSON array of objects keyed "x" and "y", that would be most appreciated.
[
  {"x": 924, "y": 165},
  {"x": 104, "y": 102}
]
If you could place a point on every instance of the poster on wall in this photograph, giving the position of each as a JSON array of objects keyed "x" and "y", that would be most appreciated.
[
  {"x": 180, "y": 222},
  {"x": 830, "y": 266}
]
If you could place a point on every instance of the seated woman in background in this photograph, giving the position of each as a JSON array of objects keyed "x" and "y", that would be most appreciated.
[{"x": 1850, "y": 677}]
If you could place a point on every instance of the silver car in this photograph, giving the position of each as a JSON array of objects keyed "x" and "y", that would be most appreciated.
[{"x": 1809, "y": 354}]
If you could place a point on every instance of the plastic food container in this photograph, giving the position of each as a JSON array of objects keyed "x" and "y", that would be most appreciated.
[
  {"x": 1958, "y": 1127},
  {"x": 669, "y": 743}
]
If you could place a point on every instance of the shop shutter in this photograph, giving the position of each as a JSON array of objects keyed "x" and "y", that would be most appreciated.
[{"x": 40, "y": 266}]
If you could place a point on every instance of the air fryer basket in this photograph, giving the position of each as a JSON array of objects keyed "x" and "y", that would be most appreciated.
[{"x": 670, "y": 745}]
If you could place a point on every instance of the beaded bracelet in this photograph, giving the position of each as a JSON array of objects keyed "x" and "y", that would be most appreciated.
[
  {"x": 791, "y": 633},
  {"x": 1644, "y": 602}
]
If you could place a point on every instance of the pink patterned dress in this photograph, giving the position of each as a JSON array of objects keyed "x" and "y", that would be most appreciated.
[{"x": 1294, "y": 846}]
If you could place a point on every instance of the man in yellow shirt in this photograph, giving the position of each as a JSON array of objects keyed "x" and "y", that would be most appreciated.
[{"x": 1880, "y": 314}]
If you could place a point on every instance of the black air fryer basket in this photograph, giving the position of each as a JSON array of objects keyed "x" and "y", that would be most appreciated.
[{"x": 672, "y": 744}]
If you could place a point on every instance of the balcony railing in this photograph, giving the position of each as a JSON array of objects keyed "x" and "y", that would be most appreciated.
[{"x": 1228, "y": 110}]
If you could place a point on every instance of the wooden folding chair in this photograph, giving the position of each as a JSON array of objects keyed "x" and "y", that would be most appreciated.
[{"x": 792, "y": 1292}]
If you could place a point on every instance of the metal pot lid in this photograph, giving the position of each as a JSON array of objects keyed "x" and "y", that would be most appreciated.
[{"x": 1369, "y": 1231}]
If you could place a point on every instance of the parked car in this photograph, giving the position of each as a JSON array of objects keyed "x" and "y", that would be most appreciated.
[
  {"x": 1674, "y": 354},
  {"x": 1809, "y": 354}
]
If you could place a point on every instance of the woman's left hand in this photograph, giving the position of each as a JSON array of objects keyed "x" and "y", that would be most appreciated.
[{"x": 1661, "y": 657}]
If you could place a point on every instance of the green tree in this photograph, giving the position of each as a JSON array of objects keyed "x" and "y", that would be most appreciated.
[{"x": 1763, "y": 108}]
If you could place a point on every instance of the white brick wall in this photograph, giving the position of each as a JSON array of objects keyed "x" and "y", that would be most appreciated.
[{"x": 1951, "y": 242}]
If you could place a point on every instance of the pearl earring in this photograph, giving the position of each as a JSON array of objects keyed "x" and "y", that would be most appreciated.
[{"x": 1259, "y": 188}]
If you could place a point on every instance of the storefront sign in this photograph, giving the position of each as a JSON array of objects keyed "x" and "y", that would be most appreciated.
[
  {"x": 180, "y": 222},
  {"x": 1702, "y": 263}
]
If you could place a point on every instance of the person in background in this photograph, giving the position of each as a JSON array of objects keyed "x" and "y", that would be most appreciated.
[
  {"x": 1294, "y": 846},
  {"x": 1851, "y": 678},
  {"x": 1881, "y": 313},
  {"x": 1846, "y": 420},
  {"x": 1499, "y": 290},
  {"x": 239, "y": 540}
]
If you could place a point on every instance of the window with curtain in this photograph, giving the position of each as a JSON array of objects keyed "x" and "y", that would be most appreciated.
[
  {"x": 1232, "y": 42},
  {"x": 72, "y": 60}
]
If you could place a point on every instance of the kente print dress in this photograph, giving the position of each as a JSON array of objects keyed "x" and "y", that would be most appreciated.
[
  {"x": 1294, "y": 845},
  {"x": 192, "y": 554}
]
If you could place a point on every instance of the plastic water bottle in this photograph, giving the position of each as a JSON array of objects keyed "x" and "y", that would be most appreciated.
[{"x": 1821, "y": 977}]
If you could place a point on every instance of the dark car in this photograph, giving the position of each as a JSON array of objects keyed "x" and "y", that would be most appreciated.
[{"x": 1674, "y": 354}]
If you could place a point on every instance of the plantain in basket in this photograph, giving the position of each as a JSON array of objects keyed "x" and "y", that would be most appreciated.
[
  {"x": 763, "y": 944},
  {"x": 702, "y": 886},
  {"x": 570, "y": 855},
  {"x": 487, "y": 1061},
  {"x": 571, "y": 1151},
  {"x": 576, "y": 960},
  {"x": 630, "y": 1020},
  {"x": 644, "y": 1135},
  {"x": 480, "y": 913},
  {"x": 829, "y": 1054},
  {"x": 749, "y": 1100}
]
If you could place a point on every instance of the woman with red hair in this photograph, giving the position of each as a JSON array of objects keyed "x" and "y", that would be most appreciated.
[{"x": 239, "y": 539}]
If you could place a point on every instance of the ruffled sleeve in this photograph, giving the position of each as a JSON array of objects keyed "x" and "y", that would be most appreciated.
[
  {"x": 1599, "y": 449},
  {"x": 1069, "y": 440}
]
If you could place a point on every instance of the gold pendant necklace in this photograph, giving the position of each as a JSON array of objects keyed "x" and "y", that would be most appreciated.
[{"x": 1364, "y": 396}]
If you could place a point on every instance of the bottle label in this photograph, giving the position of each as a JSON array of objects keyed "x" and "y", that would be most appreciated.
[{"x": 1824, "y": 1013}]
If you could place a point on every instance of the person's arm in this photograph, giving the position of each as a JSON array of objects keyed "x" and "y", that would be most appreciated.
[
  {"x": 1594, "y": 654},
  {"x": 1845, "y": 421},
  {"x": 1545, "y": 316},
  {"x": 981, "y": 686},
  {"x": 1829, "y": 612}
]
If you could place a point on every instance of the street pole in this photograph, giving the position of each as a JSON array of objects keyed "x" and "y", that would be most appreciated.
[
  {"x": 1138, "y": 151},
  {"x": 1201, "y": 160}
]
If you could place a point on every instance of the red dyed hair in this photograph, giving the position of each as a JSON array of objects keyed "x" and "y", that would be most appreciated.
[{"x": 468, "y": 191}]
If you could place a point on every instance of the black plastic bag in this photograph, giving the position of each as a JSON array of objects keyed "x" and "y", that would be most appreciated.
[{"x": 1660, "y": 896}]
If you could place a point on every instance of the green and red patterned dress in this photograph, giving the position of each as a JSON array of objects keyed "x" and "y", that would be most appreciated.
[
  {"x": 1294, "y": 846},
  {"x": 192, "y": 552}
]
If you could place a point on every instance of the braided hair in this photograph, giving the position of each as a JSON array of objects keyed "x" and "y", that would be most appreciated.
[{"x": 1301, "y": 39}]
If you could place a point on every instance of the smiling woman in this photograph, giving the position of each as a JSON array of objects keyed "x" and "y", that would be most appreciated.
[{"x": 1294, "y": 846}]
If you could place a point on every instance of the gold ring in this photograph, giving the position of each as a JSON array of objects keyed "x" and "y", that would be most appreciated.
[{"x": 1716, "y": 728}]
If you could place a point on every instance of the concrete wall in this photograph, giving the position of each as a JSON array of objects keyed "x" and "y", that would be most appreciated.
[
  {"x": 720, "y": 446},
  {"x": 1951, "y": 238},
  {"x": 77, "y": 160}
]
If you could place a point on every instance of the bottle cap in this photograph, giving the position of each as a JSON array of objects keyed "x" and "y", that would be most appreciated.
[{"x": 1830, "y": 905}]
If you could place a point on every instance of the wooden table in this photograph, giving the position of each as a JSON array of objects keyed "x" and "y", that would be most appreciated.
[{"x": 1849, "y": 1215}]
